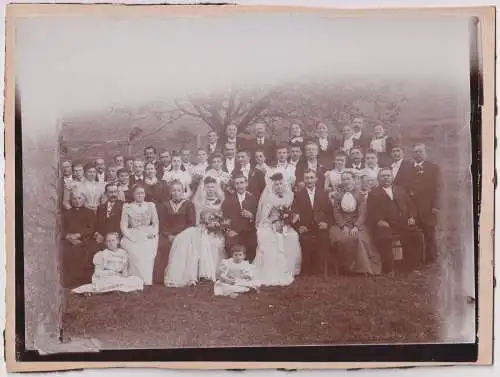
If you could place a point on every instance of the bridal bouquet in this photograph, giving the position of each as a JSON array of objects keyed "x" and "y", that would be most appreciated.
[
  {"x": 284, "y": 218},
  {"x": 217, "y": 223}
]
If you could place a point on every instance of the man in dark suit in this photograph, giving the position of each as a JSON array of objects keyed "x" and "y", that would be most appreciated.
[
  {"x": 311, "y": 162},
  {"x": 138, "y": 176},
  {"x": 240, "y": 209},
  {"x": 424, "y": 186},
  {"x": 255, "y": 177},
  {"x": 150, "y": 157},
  {"x": 356, "y": 160},
  {"x": 262, "y": 142},
  {"x": 100, "y": 167},
  {"x": 79, "y": 245},
  {"x": 402, "y": 169},
  {"x": 231, "y": 136},
  {"x": 327, "y": 145},
  {"x": 109, "y": 214},
  {"x": 164, "y": 165},
  {"x": 229, "y": 164},
  {"x": 66, "y": 179},
  {"x": 390, "y": 212},
  {"x": 213, "y": 143},
  {"x": 360, "y": 137},
  {"x": 313, "y": 214}
]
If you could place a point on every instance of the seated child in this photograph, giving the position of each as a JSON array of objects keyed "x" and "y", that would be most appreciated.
[
  {"x": 235, "y": 275},
  {"x": 111, "y": 270}
]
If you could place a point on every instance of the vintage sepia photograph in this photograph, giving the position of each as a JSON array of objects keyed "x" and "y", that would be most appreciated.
[{"x": 245, "y": 178}]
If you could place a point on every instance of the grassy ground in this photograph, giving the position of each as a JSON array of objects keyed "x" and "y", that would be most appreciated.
[{"x": 312, "y": 310}]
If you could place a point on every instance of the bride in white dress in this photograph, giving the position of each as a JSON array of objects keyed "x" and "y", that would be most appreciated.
[
  {"x": 197, "y": 251},
  {"x": 278, "y": 254}
]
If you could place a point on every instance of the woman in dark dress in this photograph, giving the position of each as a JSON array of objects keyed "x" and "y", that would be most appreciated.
[
  {"x": 156, "y": 191},
  {"x": 176, "y": 215}
]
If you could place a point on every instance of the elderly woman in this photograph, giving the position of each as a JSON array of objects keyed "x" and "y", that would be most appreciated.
[
  {"x": 139, "y": 226},
  {"x": 349, "y": 235}
]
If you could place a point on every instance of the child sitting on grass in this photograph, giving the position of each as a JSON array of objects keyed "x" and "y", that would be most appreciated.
[
  {"x": 235, "y": 275},
  {"x": 111, "y": 270}
]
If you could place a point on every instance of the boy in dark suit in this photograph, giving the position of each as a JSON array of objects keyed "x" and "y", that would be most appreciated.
[
  {"x": 314, "y": 212},
  {"x": 240, "y": 209}
]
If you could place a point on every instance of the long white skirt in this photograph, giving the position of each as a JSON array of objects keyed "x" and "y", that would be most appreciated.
[
  {"x": 142, "y": 253},
  {"x": 240, "y": 286},
  {"x": 195, "y": 254},
  {"x": 278, "y": 256},
  {"x": 111, "y": 283}
]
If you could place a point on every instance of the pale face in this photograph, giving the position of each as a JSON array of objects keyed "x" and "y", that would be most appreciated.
[
  {"x": 371, "y": 160},
  {"x": 238, "y": 256},
  {"x": 322, "y": 130},
  {"x": 310, "y": 180},
  {"x": 217, "y": 164},
  {"x": 112, "y": 242},
  {"x": 397, "y": 154},
  {"x": 99, "y": 164},
  {"x": 243, "y": 158},
  {"x": 201, "y": 156},
  {"x": 112, "y": 193},
  {"x": 111, "y": 173},
  {"x": 177, "y": 191},
  {"x": 357, "y": 124},
  {"x": 212, "y": 138},
  {"x": 340, "y": 163},
  {"x": 165, "y": 158},
  {"x": 149, "y": 154},
  {"x": 78, "y": 200},
  {"x": 260, "y": 158},
  {"x": 260, "y": 129},
  {"x": 231, "y": 131},
  {"x": 129, "y": 164},
  {"x": 311, "y": 151},
  {"x": 138, "y": 168},
  {"x": 186, "y": 156},
  {"x": 378, "y": 130},
  {"x": 295, "y": 130},
  {"x": 210, "y": 189},
  {"x": 123, "y": 177},
  {"x": 295, "y": 153},
  {"x": 150, "y": 171},
  {"x": 348, "y": 182},
  {"x": 356, "y": 156},
  {"x": 419, "y": 153},
  {"x": 91, "y": 174},
  {"x": 347, "y": 132},
  {"x": 67, "y": 168},
  {"x": 385, "y": 178},
  {"x": 119, "y": 160},
  {"x": 282, "y": 154},
  {"x": 176, "y": 163},
  {"x": 279, "y": 187},
  {"x": 139, "y": 195},
  {"x": 240, "y": 184}
]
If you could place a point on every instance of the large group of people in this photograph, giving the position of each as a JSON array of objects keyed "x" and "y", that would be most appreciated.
[{"x": 250, "y": 212}]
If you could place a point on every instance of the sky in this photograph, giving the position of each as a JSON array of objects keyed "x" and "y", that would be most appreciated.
[{"x": 67, "y": 64}]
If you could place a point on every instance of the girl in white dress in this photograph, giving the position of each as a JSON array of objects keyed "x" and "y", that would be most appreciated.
[
  {"x": 235, "y": 275},
  {"x": 111, "y": 270},
  {"x": 278, "y": 255},
  {"x": 176, "y": 172},
  {"x": 196, "y": 252},
  {"x": 139, "y": 226}
]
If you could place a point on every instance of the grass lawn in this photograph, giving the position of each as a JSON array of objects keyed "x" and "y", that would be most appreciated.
[{"x": 313, "y": 310}]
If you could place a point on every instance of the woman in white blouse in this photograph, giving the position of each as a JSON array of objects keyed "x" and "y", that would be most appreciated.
[{"x": 176, "y": 172}]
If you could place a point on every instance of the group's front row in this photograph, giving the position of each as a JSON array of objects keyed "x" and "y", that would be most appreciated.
[{"x": 181, "y": 242}]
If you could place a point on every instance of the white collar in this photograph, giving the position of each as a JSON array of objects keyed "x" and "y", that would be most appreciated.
[
  {"x": 357, "y": 135},
  {"x": 419, "y": 163},
  {"x": 397, "y": 163},
  {"x": 241, "y": 196},
  {"x": 311, "y": 191},
  {"x": 246, "y": 167}
]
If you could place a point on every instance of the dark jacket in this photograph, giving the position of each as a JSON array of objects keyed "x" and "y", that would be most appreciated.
[
  {"x": 105, "y": 224},
  {"x": 232, "y": 211}
]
